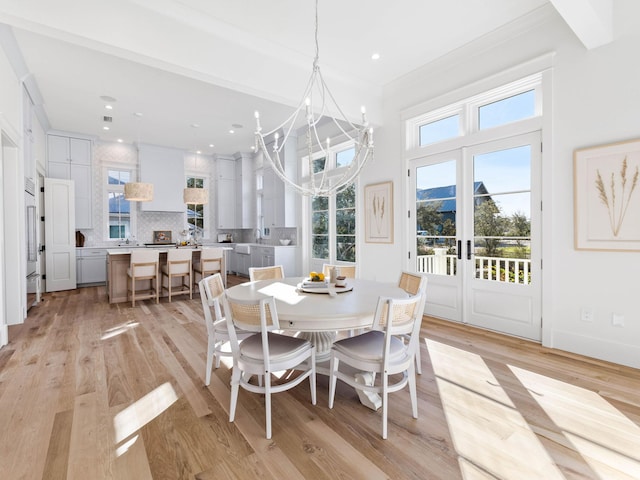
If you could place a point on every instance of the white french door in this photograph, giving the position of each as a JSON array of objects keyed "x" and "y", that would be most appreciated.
[{"x": 476, "y": 220}]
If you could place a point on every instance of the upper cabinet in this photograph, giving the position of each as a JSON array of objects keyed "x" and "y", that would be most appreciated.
[
  {"x": 280, "y": 201},
  {"x": 164, "y": 168},
  {"x": 245, "y": 191},
  {"x": 226, "y": 192},
  {"x": 69, "y": 158}
]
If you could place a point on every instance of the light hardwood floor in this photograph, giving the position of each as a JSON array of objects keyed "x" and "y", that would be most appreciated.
[{"x": 90, "y": 390}]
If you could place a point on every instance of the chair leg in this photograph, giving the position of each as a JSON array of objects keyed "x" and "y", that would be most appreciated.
[
  {"x": 413, "y": 392},
  {"x": 333, "y": 368},
  {"x": 418, "y": 361},
  {"x": 235, "y": 386},
  {"x": 312, "y": 377},
  {"x": 210, "y": 353},
  {"x": 267, "y": 403},
  {"x": 385, "y": 404}
]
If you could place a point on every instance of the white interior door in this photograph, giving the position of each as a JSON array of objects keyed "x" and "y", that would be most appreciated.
[
  {"x": 477, "y": 234},
  {"x": 60, "y": 243}
]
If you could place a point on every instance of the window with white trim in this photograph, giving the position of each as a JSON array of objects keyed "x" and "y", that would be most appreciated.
[
  {"x": 196, "y": 213},
  {"x": 120, "y": 217}
]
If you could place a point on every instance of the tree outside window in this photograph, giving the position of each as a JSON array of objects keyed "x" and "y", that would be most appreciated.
[{"x": 195, "y": 213}]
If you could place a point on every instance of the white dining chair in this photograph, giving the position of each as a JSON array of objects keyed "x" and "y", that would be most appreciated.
[
  {"x": 211, "y": 289},
  {"x": 143, "y": 266},
  {"x": 266, "y": 273},
  {"x": 382, "y": 351},
  {"x": 265, "y": 352},
  {"x": 178, "y": 265},
  {"x": 414, "y": 283}
]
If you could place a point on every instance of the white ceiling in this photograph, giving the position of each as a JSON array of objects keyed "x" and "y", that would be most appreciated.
[{"x": 214, "y": 62}]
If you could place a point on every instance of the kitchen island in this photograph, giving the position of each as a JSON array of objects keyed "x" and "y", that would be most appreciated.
[{"x": 118, "y": 261}]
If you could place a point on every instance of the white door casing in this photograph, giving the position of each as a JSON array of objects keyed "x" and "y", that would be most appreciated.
[{"x": 60, "y": 244}]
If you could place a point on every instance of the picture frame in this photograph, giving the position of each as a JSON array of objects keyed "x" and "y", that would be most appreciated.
[
  {"x": 378, "y": 204},
  {"x": 607, "y": 197},
  {"x": 162, "y": 236}
]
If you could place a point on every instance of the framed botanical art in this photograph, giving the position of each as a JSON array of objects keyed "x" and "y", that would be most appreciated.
[
  {"x": 607, "y": 197},
  {"x": 378, "y": 204}
]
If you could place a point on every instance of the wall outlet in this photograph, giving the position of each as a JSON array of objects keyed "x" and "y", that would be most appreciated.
[
  {"x": 586, "y": 314},
  {"x": 617, "y": 320}
]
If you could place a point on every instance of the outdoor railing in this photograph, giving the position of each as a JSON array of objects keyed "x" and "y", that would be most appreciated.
[{"x": 507, "y": 270}]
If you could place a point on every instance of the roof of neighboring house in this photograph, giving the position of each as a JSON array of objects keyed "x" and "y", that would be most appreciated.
[{"x": 447, "y": 195}]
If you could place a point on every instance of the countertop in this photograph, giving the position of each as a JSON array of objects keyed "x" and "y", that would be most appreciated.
[{"x": 126, "y": 251}]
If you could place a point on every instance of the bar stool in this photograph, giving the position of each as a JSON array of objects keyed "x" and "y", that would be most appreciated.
[
  {"x": 178, "y": 265},
  {"x": 143, "y": 266},
  {"x": 211, "y": 261}
]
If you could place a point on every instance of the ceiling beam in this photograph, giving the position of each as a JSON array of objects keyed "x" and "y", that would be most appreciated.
[{"x": 590, "y": 20}]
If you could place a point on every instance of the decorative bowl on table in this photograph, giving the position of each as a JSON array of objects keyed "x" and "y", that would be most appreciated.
[
  {"x": 341, "y": 281},
  {"x": 285, "y": 241}
]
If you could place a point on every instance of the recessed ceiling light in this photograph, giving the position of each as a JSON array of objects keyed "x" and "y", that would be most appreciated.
[
  {"x": 119, "y": 140},
  {"x": 195, "y": 125},
  {"x": 137, "y": 114},
  {"x": 232, "y": 131},
  {"x": 375, "y": 56},
  {"x": 253, "y": 147},
  {"x": 107, "y": 98},
  {"x": 109, "y": 107},
  {"x": 105, "y": 128},
  {"x": 211, "y": 145},
  {"x": 198, "y": 152}
]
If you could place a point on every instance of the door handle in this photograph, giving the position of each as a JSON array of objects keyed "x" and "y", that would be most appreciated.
[
  {"x": 459, "y": 249},
  {"x": 468, "y": 249}
]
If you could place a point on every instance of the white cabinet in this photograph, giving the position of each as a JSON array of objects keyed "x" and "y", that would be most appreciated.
[
  {"x": 226, "y": 192},
  {"x": 164, "y": 168},
  {"x": 70, "y": 159},
  {"x": 267, "y": 256},
  {"x": 245, "y": 192},
  {"x": 232, "y": 262},
  {"x": 279, "y": 201},
  {"x": 91, "y": 266},
  {"x": 243, "y": 262}
]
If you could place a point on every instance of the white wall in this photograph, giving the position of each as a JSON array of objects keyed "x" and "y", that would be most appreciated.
[
  {"x": 11, "y": 308},
  {"x": 596, "y": 100}
]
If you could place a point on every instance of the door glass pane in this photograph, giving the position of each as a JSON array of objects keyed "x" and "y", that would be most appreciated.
[
  {"x": 507, "y": 110},
  {"x": 439, "y": 130},
  {"x": 436, "y": 218},
  {"x": 502, "y": 215}
]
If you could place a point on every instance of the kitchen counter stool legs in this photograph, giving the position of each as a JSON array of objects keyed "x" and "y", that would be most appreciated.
[{"x": 143, "y": 266}]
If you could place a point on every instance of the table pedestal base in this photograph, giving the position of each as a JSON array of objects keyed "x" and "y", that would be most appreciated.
[{"x": 323, "y": 342}]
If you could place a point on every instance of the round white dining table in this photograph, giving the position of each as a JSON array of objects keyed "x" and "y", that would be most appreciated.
[{"x": 318, "y": 316}]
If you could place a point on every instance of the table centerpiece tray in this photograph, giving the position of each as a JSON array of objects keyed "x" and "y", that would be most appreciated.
[{"x": 324, "y": 287}]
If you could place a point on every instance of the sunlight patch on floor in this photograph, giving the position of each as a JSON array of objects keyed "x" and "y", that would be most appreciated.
[
  {"x": 115, "y": 331},
  {"x": 593, "y": 427},
  {"x": 142, "y": 411},
  {"x": 486, "y": 428}
]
